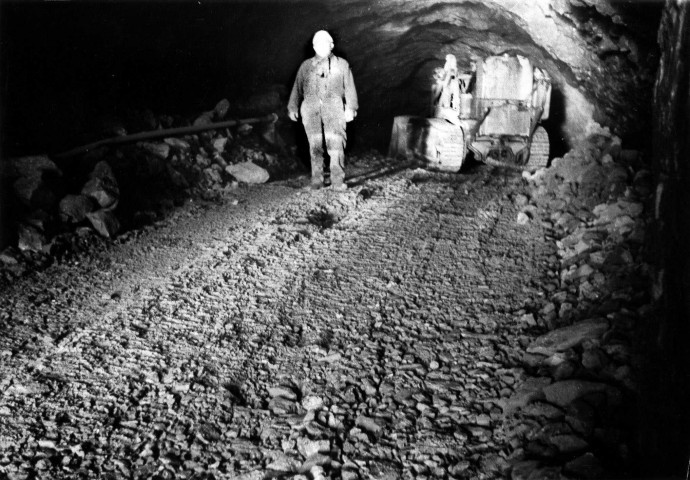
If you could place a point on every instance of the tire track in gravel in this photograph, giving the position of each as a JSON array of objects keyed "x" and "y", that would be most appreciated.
[
  {"x": 392, "y": 305},
  {"x": 89, "y": 365},
  {"x": 401, "y": 297}
]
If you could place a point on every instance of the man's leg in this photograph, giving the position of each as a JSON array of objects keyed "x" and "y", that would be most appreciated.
[
  {"x": 335, "y": 133},
  {"x": 313, "y": 127},
  {"x": 316, "y": 154},
  {"x": 336, "y": 151}
]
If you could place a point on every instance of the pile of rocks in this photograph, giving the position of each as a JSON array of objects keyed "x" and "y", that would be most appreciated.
[
  {"x": 43, "y": 207},
  {"x": 110, "y": 189},
  {"x": 36, "y": 184},
  {"x": 96, "y": 202},
  {"x": 411, "y": 377},
  {"x": 578, "y": 406}
]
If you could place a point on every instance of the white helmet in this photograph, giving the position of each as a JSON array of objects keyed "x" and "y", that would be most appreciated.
[{"x": 322, "y": 36}]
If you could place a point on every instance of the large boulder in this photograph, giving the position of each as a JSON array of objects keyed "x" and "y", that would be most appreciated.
[
  {"x": 571, "y": 336},
  {"x": 219, "y": 144},
  {"x": 176, "y": 177},
  {"x": 31, "y": 166},
  {"x": 178, "y": 144},
  {"x": 36, "y": 181},
  {"x": 211, "y": 176},
  {"x": 102, "y": 186},
  {"x": 158, "y": 149},
  {"x": 563, "y": 393},
  {"x": 205, "y": 118},
  {"x": 104, "y": 222},
  {"x": 248, "y": 172},
  {"x": 34, "y": 192},
  {"x": 104, "y": 192},
  {"x": 30, "y": 238},
  {"x": 102, "y": 169},
  {"x": 529, "y": 391},
  {"x": 73, "y": 208},
  {"x": 609, "y": 212}
]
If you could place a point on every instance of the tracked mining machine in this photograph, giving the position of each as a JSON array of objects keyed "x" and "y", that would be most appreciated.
[{"x": 493, "y": 111}]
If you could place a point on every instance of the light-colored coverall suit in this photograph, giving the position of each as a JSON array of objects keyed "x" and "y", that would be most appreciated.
[{"x": 323, "y": 89}]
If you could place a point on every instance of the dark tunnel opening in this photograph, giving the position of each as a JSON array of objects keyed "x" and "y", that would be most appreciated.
[
  {"x": 100, "y": 61},
  {"x": 73, "y": 72}
]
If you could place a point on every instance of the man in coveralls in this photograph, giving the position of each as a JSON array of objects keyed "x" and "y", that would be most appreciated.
[{"x": 324, "y": 96}]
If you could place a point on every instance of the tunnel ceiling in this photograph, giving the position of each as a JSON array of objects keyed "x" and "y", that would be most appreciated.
[
  {"x": 172, "y": 56},
  {"x": 600, "y": 54}
]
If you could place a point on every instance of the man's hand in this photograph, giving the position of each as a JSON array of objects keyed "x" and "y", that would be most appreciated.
[
  {"x": 349, "y": 115},
  {"x": 293, "y": 116}
]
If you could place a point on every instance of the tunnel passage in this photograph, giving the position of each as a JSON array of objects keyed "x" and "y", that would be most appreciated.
[{"x": 68, "y": 68}]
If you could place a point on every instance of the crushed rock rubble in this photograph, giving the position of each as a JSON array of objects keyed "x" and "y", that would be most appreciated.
[
  {"x": 55, "y": 204},
  {"x": 594, "y": 203},
  {"x": 280, "y": 348}
]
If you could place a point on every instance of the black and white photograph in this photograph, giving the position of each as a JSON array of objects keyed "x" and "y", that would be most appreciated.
[{"x": 344, "y": 239}]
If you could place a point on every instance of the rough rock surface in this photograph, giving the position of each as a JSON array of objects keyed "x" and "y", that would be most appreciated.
[
  {"x": 73, "y": 208},
  {"x": 602, "y": 55},
  {"x": 667, "y": 379},
  {"x": 104, "y": 222},
  {"x": 102, "y": 186},
  {"x": 568, "y": 337},
  {"x": 136, "y": 183},
  {"x": 248, "y": 172},
  {"x": 276, "y": 292},
  {"x": 33, "y": 192},
  {"x": 30, "y": 238},
  {"x": 380, "y": 332}
]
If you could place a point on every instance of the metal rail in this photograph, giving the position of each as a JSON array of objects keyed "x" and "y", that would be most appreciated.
[{"x": 170, "y": 132}]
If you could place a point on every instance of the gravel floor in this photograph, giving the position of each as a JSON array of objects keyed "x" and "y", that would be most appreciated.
[{"x": 374, "y": 333}]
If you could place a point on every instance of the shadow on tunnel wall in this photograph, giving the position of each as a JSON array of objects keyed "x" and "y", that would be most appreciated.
[
  {"x": 554, "y": 124},
  {"x": 664, "y": 415}
]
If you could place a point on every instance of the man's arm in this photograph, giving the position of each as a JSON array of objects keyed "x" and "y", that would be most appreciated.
[
  {"x": 351, "y": 101},
  {"x": 296, "y": 96}
]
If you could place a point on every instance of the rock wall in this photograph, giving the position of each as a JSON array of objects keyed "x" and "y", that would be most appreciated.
[
  {"x": 599, "y": 58},
  {"x": 664, "y": 417},
  {"x": 601, "y": 55}
]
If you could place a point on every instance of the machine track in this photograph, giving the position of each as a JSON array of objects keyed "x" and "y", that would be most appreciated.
[{"x": 539, "y": 150}]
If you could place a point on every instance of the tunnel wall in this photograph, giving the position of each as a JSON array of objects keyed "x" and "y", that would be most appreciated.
[
  {"x": 665, "y": 420},
  {"x": 65, "y": 64}
]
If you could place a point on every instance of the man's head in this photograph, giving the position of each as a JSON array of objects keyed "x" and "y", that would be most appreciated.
[
  {"x": 322, "y": 43},
  {"x": 451, "y": 62}
]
